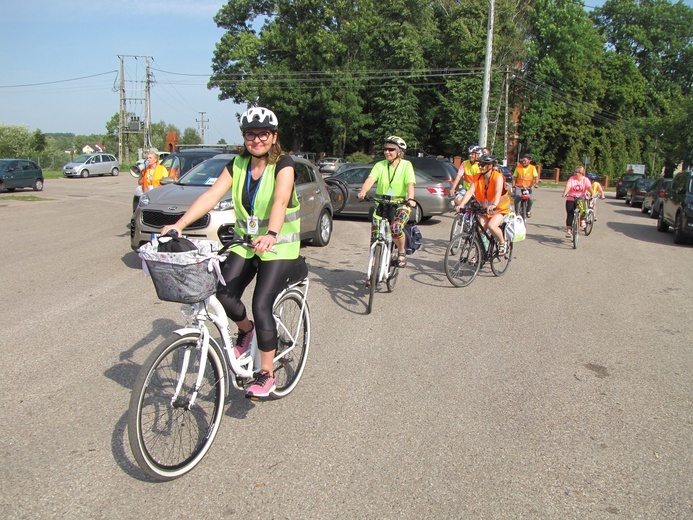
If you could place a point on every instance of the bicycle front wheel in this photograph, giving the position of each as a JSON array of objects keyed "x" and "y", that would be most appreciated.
[
  {"x": 589, "y": 221},
  {"x": 457, "y": 222},
  {"x": 462, "y": 259},
  {"x": 500, "y": 263},
  {"x": 375, "y": 271},
  {"x": 392, "y": 269},
  {"x": 576, "y": 230},
  {"x": 169, "y": 433},
  {"x": 293, "y": 330}
]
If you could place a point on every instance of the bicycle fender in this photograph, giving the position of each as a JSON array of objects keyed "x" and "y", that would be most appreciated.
[{"x": 186, "y": 330}]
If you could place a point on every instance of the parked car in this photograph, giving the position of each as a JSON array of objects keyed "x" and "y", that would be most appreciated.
[
  {"x": 165, "y": 205},
  {"x": 636, "y": 193},
  {"x": 677, "y": 207},
  {"x": 90, "y": 164},
  {"x": 181, "y": 161},
  {"x": 439, "y": 169},
  {"x": 432, "y": 195},
  {"x": 507, "y": 173},
  {"x": 330, "y": 165},
  {"x": 311, "y": 156},
  {"x": 625, "y": 182},
  {"x": 20, "y": 173},
  {"x": 653, "y": 198}
]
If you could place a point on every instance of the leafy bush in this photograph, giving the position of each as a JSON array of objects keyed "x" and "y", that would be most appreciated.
[{"x": 359, "y": 157}]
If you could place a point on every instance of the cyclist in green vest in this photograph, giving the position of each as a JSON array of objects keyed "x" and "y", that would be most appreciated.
[
  {"x": 395, "y": 179},
  {"x": 261, "y": 180}
]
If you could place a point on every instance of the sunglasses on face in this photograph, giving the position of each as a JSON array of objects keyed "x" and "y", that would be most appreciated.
[
  {"x": 390, "y": 149},
  {"x": 263, "y": 136}
]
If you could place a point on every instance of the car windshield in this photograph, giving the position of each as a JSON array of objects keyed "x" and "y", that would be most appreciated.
[
  {"x": 645, "y": 184},
  {"x": 630, "y": 177},
  {"x": 81, "y": 159},
  {"x": 206, "y": 173}
]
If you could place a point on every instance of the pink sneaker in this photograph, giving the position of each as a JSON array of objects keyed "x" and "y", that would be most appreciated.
[
  {"x": 243, "y": 339},
  {"x": 262, "y": 387}
]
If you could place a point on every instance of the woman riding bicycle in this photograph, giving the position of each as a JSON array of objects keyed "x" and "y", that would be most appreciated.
[
  {"x": 261, "y": 180},
  {"x": 578, "y": 186},
  {"x": 489, "y": 190},
  {"x": 395, "y": 178}
]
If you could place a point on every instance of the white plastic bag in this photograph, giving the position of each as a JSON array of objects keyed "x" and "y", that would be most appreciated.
[{"x": 515, "y": 229}]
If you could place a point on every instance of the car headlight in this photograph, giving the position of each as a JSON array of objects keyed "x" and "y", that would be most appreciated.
[
  {"x": 223, "y": 205},
  {"x": 144, "y": 199}
]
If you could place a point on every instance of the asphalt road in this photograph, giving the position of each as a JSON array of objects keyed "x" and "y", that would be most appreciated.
[{"x": 560, "y": 390}]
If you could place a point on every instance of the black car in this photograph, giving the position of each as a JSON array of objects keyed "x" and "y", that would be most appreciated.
[
  {"x": 20, "y": 173},
  {"x": 636, "y": 193},
  {"x": 652, "y": 202},
  {"x": 677, "y": 207},
  {"x": 626, "y": 182}
]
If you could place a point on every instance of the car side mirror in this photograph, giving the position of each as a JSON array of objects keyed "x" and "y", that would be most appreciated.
[{"x": 167, "y": 180}]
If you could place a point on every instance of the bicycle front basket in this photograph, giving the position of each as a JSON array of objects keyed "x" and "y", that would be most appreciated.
[{"x": 187, "y": 277}]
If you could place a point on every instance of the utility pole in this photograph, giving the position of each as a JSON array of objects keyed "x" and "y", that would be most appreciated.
[
  {"x": 507, "y": 110},
  {"x": 202, "y": 122},
  {"x": 483, "y": 125},
  {"x": 140, "y": 93}
]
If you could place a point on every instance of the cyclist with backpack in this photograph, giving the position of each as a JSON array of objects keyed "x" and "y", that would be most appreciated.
[
  {"x": 396, "y": 180},
  {"x": 525, "y": 177},
  {"x": 489, "y": 190},
  {"x": 261, "y": 180}
]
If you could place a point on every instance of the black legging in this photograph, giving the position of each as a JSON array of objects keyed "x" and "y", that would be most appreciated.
[
  {"x": 569, "y": 210},
  {"x": 271, "y": 278}
]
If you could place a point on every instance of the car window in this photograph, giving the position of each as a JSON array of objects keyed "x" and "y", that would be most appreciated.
[
  {"x": 631, "y": 177},
  {"x": 27, "y": 166},
  {"x": 204, "y": 174},
  {"x": 80, "y": 159},
  {"x": 304, "y": 174},
  {"x": 355, "y": 175}
]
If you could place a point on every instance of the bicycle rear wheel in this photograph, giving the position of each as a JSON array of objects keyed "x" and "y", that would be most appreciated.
[
  {"x": 293, "y": 330},
  {"x": 168, "y": 435},
  {"x": 589, "y": 221},
  {"x": 375, "y": 270},
  {"x": 462, "y": 259},
  {"x": 392, "y": 269},
  {"x": 523, "y": 210},
  {"x": 500, "y": 263},
  {"x": 576, "y": 230}
]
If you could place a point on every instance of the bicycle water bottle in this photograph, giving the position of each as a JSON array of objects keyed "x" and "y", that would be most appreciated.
[{"x": 484, "y": 239}]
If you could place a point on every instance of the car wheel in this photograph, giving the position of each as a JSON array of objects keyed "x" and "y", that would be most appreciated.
[
  {"x": 678, "y": 229},
  {"x": 115, "y": 172},
  {"x": 661, "y": 225},
  {"x": 323, "y": 231},
  {"x": 416, "y": 214},
  {"x": 38, "y": 185},
  {"x": 654, "y": 213},
  {"x": 85, "y": 173}
]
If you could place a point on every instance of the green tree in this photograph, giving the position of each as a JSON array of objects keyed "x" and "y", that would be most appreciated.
[{"x": 190, "y": 136}]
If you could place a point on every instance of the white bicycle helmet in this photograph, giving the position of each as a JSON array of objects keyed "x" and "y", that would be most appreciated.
[
  {"x": 259, "y": 117},
  {"x": 475, "y": 148},
  {"x": 398, "y": 141}
]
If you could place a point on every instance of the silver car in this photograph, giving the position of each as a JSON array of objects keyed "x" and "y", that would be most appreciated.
[
  {"x": 90, "y": 164},
  {"x": 432, "y": 195},
  {"x": 165, "y": 205}
]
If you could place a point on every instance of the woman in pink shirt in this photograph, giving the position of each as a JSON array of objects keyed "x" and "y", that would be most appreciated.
[{"x": 577, "y": 186}]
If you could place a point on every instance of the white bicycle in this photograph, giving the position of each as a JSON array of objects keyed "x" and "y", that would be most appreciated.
[{"x": 177, "y": 401}]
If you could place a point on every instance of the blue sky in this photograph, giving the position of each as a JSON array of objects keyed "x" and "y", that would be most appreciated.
[
  {"x": 49, "y": 41},
  {"x": 54, "y": 40}
]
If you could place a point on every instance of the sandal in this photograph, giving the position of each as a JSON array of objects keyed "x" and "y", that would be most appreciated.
[
  {"x": 368, "y": 283},
  {"x": 529, "y": 214},
  {"x": 502, "y": 249},
  {"x": 401, "y": 261}
]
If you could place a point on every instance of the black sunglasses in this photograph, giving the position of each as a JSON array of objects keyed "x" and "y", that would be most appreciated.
[{"x": 390, "y": 149}]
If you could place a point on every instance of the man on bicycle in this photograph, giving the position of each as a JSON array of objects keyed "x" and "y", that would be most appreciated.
[
  {"x": 468, "y": 170},
  {"x": 525, "y": 177},
  {"x": 396, "y": 180}
]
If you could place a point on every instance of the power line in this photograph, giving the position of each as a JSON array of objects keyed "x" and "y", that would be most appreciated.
[{"x": 59, "y": 81}]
